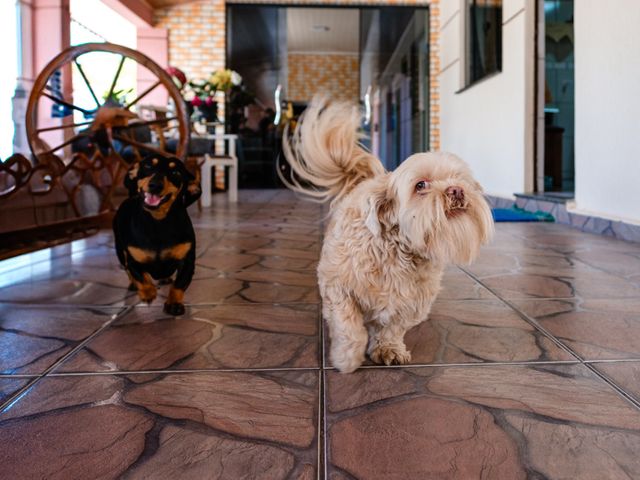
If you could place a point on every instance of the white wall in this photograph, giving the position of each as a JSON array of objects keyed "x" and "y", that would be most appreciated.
[
  {"x": 607, "y": 70},
  {"x": 490, "y": 124}
]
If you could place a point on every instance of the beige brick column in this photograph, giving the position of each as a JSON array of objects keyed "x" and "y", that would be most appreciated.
[{"x": 434, "y": 75}]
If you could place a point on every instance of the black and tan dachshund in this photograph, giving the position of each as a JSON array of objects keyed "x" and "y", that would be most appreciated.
[{"x": 154, "y": 236}]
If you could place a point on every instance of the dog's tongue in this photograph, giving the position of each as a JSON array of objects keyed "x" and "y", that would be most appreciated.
[{"x": 151, "y": 199}]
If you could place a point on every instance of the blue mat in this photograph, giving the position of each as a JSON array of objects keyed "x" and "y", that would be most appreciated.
[{"x": 515, "y": 214}]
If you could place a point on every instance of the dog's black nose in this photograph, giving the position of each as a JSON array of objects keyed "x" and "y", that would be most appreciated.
[
  {"x": 455, "y": 193},
  {"x": 156, "y": 184}
]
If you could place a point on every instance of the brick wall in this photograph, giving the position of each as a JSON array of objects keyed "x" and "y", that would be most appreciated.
[
  {"x": 196, "y": 36},
  {"x": 334, "y": 74}
]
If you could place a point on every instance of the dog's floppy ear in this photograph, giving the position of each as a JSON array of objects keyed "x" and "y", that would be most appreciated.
[
  {"x": 380, "y": 212},
  {"x": 130, "y": 179},
  {"x": 191, "y": 189}
]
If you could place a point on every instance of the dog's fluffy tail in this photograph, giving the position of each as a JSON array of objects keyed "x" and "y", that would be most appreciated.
[{"x": 325, "y": 154}]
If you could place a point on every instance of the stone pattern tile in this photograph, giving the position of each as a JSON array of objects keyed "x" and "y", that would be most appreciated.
[
  {"x": 32, "y": 339},
  {"x": 625, "y": 374},
  {"x": 476, "y": 331},
  {"x": 527, "y": 367},
  {"x": 223, "y": 336},
  {"x": 215, "y": 425},
  {"x": 70, "y": 274},
  {"x": 584, "y": 289},
  {"x": 598, "y": 329},
  {"x": 10, "y": 385},
  {"x": 511, "y": 422},
  {"x": 229, "y": 390}
]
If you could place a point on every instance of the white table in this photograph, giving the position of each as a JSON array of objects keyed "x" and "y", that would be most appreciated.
[{"x": 229, "y": 159}]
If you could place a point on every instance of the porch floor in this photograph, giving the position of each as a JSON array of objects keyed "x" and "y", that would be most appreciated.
[{"x": 528, "y": 368}]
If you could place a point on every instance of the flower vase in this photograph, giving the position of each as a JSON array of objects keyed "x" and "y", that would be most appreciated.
[
  {"x": 190, "y": 109},
  {"x": 209, "y": 112}
]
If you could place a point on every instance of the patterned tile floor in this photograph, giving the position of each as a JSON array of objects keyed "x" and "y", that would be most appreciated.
[{"x": 528, "y": 368}]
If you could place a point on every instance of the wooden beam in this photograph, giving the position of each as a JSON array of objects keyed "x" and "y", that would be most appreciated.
[
  {"x": 168, "y": 3},
  {"x": 138, "y": 12}
]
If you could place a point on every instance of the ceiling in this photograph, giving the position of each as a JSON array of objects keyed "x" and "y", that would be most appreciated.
[{"x": 323, "y": 30}]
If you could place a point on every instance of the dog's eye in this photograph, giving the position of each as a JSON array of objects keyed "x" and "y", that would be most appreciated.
[{"x": 422, "y": 185}]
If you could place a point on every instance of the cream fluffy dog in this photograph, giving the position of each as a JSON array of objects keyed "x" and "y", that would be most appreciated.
[{"x": 390, "y": 234}]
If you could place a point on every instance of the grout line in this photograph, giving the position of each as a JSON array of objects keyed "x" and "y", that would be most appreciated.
[
  {"x": 245, "y": 304},
  {"x": 322, "y": 414},
  {"x": 75, "y": 306},
  {"x": 282, "y": 369},
  {"x": 623, "y": 393},
  {"x": 614, "y": 360},
  {"x": 12, "y": 399},
  {"x": 141, "y": 305},
  {"x": 323, "y": 361},
  {"x": 320, "y": 435},
  {"x": 325, "y": 435},
  {"x": 184, "y": 371},
  {"x": 629, "y": 397},
  {"x": 474, "y": 364}
]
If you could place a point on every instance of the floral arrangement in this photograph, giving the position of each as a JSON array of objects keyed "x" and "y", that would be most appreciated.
[
  {"x": 203, "y": 92},
  {"x": 224, "y": 80},
  {"x": 200, "y": 95},
  {"x": 178, "y": 77}
]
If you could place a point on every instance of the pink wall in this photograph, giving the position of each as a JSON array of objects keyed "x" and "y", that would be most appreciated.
[
  {"x": 50, "y": 36},
  {"x": 153, "y": 42}
]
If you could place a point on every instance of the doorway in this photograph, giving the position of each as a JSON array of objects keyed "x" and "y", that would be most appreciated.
[
  {"x": 557, "y": 90},
  {"x": 377, "y": 57}
]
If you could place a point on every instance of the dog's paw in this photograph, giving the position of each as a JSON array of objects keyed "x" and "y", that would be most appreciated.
[
  {"x": 390, "y": 355},
  {"x": 147, "y": 293},
  {"x": 348, "y": 354},
  {"x": 346, "y": 360},
  {"x": 347, "y": 365},
  {"x": 174, "y": 308}
]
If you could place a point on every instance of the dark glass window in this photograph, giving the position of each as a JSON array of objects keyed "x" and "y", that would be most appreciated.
[{"x": 484, "y": 33}]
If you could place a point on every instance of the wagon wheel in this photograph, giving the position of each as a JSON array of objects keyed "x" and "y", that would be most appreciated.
[{"x": 83, "y": 108}]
